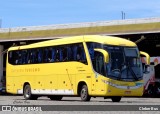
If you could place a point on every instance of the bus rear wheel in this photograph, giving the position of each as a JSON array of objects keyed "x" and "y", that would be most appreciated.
[
  {"x": 84, "y": 93},
  {"x": 56, "y": 97},
  {"x": 27, "y": 93},
  {"x": 116, "y": 99}
]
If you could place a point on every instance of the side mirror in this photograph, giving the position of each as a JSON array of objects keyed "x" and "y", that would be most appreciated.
[
  {"x": 105, "y": 54},
  {"x": 147, "y": 57},
  {"x": 146, "y": 67}
]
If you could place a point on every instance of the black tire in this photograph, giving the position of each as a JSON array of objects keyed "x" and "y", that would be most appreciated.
[
  {"x": 150, "y": 91},
  {"x": 116, "y": 99},
  {"x": 56, "y": 97},
  {"x": 84, "y": 93},
  {"x": 27, "y": 93}
]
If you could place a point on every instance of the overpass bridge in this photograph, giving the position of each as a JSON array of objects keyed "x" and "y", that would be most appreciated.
[
  {"x": 145, "y": 32},
  {"x": 117, "y": 27}
]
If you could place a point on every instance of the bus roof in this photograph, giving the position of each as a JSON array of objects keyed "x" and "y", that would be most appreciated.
[{"x": 110, "y": 40}]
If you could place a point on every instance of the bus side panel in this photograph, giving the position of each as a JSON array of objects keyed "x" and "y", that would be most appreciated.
[
  {"x": 99, "y": 88},
  {"x": 84, "y": 75},
  {"x": 10, "y": 85},
  {"x": 55, "y": 78}
]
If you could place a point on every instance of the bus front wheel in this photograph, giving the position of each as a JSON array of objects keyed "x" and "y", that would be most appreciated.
[
  {"x": 27, "y": 93},
  {"x": 84, "y": 93},
  {"x": 116, "y": 99}
]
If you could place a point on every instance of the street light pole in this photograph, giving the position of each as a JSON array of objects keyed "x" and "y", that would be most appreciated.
[{"x": 123, "y": 15}]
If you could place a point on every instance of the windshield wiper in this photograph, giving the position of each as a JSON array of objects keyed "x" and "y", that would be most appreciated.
[{"x": 132, "y": 72}]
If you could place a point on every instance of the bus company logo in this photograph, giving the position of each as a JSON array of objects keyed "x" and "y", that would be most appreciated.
[
  {"x": 6, "y": 108},
  {"x": 26, "y": 70}
]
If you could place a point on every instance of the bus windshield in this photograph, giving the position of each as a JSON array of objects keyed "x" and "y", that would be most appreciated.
[{"x": 124, "y": 63}]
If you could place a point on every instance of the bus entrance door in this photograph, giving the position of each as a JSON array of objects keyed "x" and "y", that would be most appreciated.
[{"x": 98, "y": 65}]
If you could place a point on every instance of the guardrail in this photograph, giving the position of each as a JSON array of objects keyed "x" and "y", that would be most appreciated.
[{"x": 81, "y": 25}]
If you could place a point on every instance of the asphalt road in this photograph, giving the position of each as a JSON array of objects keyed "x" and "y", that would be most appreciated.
[{"x": 75, "y": 105}]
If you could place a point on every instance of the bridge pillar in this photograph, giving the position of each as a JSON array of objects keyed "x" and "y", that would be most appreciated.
[{"x": 1, "y": 64}]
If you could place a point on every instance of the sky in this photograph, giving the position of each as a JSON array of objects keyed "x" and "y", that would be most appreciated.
[{"x": 20, "y": 13}]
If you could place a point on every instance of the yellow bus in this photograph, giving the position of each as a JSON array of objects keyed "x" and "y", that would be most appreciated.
[{"x": 86, "y": 66}]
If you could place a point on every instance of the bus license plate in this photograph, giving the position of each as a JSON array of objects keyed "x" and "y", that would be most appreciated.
[{"x": 127, "y": 92}]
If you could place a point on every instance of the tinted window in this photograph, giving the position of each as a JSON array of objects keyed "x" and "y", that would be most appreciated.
[{"x": 63, "y": 53}]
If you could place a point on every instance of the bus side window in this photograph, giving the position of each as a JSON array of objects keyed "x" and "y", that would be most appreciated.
[
  {"x": 57, "y": 55},
  {"x": 60, "y": 54},
  {"x": 46, "y": 55},
  {"x": 81, "y": 56},
  {"x": 74, "y": 48},
  {"x": 65, "y": 56},
  {"x": 24, "y": 56},
  {"x": 49, "y": 54},
  {"x": 33, "y": 56},
  {"x": 30, "y": 56},
  {"x": 84, "y": 60},
  {"x": 12, "y": 57},
  {"x": 79, "y": 53},
  {"x": 27, "y": 56},
  {"x": 53, "y": 55},
  {"x": 19, "y": 57},
  {"x": 69, "y": 53},
  {"x": 99, "y": 63},
  {"x": 39, "y": 55},
  {"x": 91, "y": 50}
]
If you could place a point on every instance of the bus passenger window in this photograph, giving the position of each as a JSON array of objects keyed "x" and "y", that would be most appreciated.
[
  {"x": 16, "y": 57},
  {"x": 53, "y": 55},
  {"x": 24, "y": 56},
  {"x": 33, "y": 56},
  {"x": 49, "y": 54},
  {"x": 60, "y": 54},
  {"x": 10, "y": 57},
  {"x": 57, "y": 55},
  {"x": 69, "y": 53},
  {"x": 81, "y": 54},
  {"x": 27, "y": 58},
  {"x": 46, "y": 55},
  {"x": 30, "y": 56},
  {"x": 74, "y": 48},
  {"x": 19, "y": 58},
  {"x": 39, "y": 51},
  {"x": 65, "y": 57},
  {"x": 91, "y": 50},
  {"x": 13, "y": 57},
  {"x": 99, "y": 63}
]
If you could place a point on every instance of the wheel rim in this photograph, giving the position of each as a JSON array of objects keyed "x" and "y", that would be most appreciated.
[
  {"x": 84, "y": 93},
  {"x": 27, "y": 93}
]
